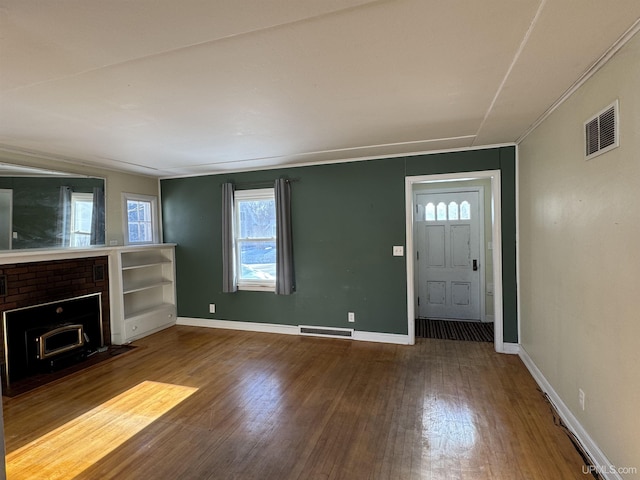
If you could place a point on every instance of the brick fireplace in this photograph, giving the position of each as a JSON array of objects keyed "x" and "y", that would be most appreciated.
[{"x": 39, "y": 282}]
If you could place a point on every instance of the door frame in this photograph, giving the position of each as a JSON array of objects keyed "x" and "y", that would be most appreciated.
[
  {"x": 479, "y": 189},
  {"x": 496, "y": 227}
]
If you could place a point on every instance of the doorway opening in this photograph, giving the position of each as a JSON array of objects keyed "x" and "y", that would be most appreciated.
[
  {"x": 454, "y": 249},
  {"x": 450, "y": 246}
]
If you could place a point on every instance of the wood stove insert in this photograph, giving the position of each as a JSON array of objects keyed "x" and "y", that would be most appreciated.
[{"x": 50, "y": 336}]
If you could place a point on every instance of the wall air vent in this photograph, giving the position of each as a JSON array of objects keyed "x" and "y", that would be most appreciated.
[
  {"x": 601, "y": 132},
  {"x": 326, "y": 331}
]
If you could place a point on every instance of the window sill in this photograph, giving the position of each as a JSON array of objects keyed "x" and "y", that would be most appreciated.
[{"x": 257, "y": 288}]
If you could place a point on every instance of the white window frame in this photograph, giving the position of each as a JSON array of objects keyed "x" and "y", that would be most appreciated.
[
  {"x": 263, "y": 285},
  {"x": 78, "y": 197},
  {"x": 136, "y": 197}
]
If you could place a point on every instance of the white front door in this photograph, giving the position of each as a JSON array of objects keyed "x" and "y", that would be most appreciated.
[{"x": 448, "y": 255}]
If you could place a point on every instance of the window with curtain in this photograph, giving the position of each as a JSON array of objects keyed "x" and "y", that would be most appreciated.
[
  {"x": 257, "y": 247},
  {"x": 255, "y": 239}
]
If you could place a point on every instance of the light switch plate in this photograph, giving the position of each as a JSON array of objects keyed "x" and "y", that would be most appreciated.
[{"x": 398, "y": 251}]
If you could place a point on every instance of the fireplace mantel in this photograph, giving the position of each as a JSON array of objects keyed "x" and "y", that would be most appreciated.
[
  {"x": 139, "y": 295},
  {"x": 48, "y": 254}
]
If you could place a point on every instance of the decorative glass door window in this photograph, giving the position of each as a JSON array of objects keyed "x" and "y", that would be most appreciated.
[{"x": 443, "y": 212}]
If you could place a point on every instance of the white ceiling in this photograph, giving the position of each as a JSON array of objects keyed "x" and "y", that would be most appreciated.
[{"x": 179, "y": 87}]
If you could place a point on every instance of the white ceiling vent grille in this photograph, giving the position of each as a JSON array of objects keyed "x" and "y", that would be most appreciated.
[{"x": 601, "y": 132}]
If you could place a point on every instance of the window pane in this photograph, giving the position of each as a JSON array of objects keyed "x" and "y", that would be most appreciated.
[
  {"x": 453, "y": 211},
  {"x": 430, "y": 212},
  {"x": 257, "y": 260},
  {"x": 257, "y": 218},
  {"x": 82, "y": 216},
  {"x": 81, "y": 240},
  {"x": 141, "y": 227},
  {"x": 144, "y": 211},
  {"x": 143, "y": 232},
  {"x": 133, "y": 233},
  {"x": 132, "y": 211},
  {"x": 465, "y": 211},
  {"x": 442, "y": 211}
]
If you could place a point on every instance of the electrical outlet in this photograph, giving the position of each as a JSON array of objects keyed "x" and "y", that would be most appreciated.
[
  {"x": 351, "y": 316},
  {"x": 212, "y": 308},
  {"x": 398, "y": 250},
  {"x": 581, "y": 398}
]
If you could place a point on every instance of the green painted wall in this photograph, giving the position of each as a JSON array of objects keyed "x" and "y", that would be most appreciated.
[{"x": 346, "y": 218}]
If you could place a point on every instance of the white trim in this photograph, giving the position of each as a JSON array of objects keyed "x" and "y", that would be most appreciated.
[
  {"x": 494, "y": 175},
  {"x": 410, "y": 255},
  {"x": 38, "y": 155},
  {"x": 605, "y": 467},
  {"x": 518, "y": 283},
  {"x": 160, "y": 229},
  {"x": 489, "y": 319},
  {"x": 290, "y": 330},
  {"x": 342, "y": 160},
  {"x": 247, "y": 286},
  {"x": 244, "y": 326},
  {"x": 590, "y": 72},
  {"x": 47, "y": 254},
  {"x": 155, "y": 218},
  {"x": 496, "y": 238},
  {"x": 381, "y": 337},
  {"x": 510, "y": 348}
]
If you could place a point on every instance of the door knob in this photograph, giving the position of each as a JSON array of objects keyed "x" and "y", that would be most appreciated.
[{"x": 475, "y": 265}]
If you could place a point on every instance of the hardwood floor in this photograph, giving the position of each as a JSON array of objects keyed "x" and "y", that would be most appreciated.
[{"x": 195, "y": 403}]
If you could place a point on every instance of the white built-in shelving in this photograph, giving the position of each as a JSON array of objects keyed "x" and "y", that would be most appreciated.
[{"x": 143, "y": 291}]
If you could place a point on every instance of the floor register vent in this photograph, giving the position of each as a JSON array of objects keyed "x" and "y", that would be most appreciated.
[{"x": 326, "y": 331}]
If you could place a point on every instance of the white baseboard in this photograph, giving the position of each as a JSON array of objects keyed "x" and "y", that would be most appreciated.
[
  {"x": 287, "y": 329},
  {"x": 510, "y": 348},
  {"x": 245, "y": 326},
  {"x": 602, "y": 464},
  {"x": 381, "y": 337}
]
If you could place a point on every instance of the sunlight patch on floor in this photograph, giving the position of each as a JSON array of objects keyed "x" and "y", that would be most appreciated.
[{"x": 73, "y": 447}]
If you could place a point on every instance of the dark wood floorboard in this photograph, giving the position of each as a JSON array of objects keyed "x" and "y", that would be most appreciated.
[{"x": 286, "y": 407}]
